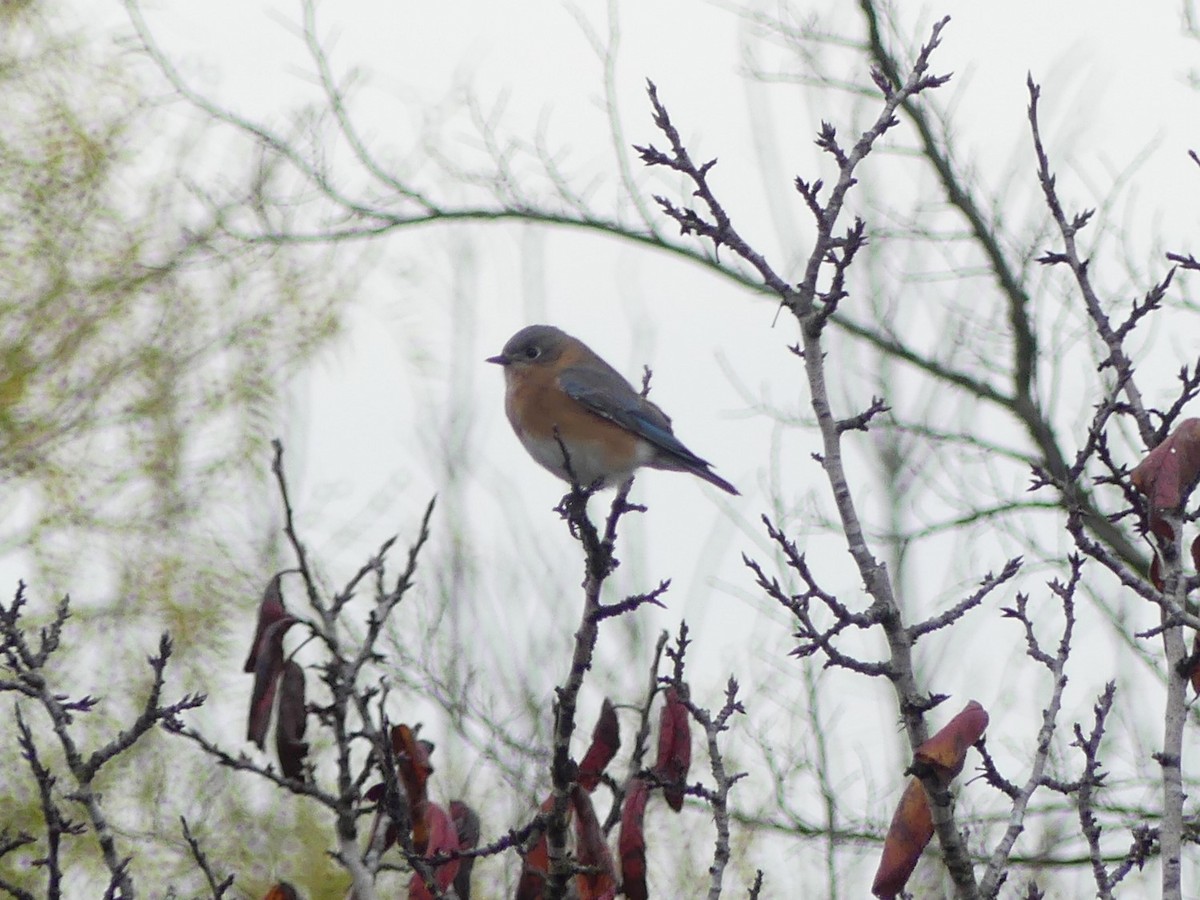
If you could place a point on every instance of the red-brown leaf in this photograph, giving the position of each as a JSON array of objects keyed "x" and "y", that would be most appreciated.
[
  {"x": 533, "y": 872},
  {"x": 912, "y": 825},
  {"x": 412, "y": 759},
  {"x": 910, "y": 831},
  {"x": 606, "y": 741},
  {"x": 674, "y": 749},
  {"x": 466, "y": 825},
  {"x": 632, "y": 841},
  {"x": 270, "y": 610},
  {"x": 442, "y": 839},
  {"x": 281, "y": 891},
  {"x": 1169, "y": 472},
  {"x": 536, "y": 864},
  {"x": 291, "y": 721},
  {"x": 1156, "y": 578},
  {"x": 946, "y": 751},
  {"x": 268, "y": 666},
  {"x": 592, "y": 850}
]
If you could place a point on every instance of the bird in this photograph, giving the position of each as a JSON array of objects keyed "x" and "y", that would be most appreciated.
[{"x": 557, "y": 389}]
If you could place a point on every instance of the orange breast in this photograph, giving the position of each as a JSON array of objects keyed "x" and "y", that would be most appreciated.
[{"x": 598, "y": 448}]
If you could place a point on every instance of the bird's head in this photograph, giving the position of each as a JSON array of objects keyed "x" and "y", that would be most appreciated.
[{"x": 534, "y": 345}]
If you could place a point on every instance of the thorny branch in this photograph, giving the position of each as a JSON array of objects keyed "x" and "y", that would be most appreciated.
[
  {"x": 1089, "y": 784},
  {"x": 218, "y": 888},
  {"x": 718, "y": 797},
  {"x": 599, "y": 562},
  {"x": 812, "y": 308},
  {"x": 27, "y": 669},
  {"x": 350, "y": 652},
  {"x": 1055, "y": 664},
  {"x": 1069, "y": 229},
  {"x": 1171, "y": 592}
]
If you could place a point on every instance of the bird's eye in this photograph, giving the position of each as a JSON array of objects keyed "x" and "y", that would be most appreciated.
[{"x": 532, "y": 352}]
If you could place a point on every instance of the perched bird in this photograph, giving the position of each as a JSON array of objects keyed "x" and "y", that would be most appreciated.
[{"x": 556, "y": 383}]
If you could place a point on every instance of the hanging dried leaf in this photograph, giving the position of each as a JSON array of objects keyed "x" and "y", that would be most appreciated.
[
  {"x": 291, "y": 721},
  {"x": 631, "y": 843},
  {"x": 536, "y": 863},
  {"x": 270, "y": 611},
  {"x": 268, "y": 666},
  {"x": 466, "y": 825},
  {"x": 606, "y": 741},
  {"x": 442, "y": 839},
  {"x": 1169, "y": 472},
  {"x": 1193, "y": 672},
  {"x": 946, "y": 751},
  {"x": 942, "y": 755},
  {"x": 674, "y": 749},
  {"x": 910, "y": 831},
  {"x": 592, "y": 850},
  {"x": 412, "y": 759}
]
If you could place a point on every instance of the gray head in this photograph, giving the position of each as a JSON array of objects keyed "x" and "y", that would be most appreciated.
[{"x": 533, "y": 345}]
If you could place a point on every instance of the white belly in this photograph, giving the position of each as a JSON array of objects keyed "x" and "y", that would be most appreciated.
[{"x": 587, "y": 460}]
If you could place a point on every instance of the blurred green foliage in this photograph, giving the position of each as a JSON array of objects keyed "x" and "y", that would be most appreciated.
[{"x": 143, "y": 360}]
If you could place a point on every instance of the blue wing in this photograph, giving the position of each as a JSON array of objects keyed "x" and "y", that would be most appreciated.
[{"x": 606, "y": 393}]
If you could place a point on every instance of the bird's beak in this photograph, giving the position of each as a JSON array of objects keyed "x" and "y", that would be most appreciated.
[{"x": 500, "y": 360}]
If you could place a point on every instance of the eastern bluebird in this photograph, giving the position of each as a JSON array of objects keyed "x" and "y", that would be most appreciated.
[{"x": 555, "y": 382}]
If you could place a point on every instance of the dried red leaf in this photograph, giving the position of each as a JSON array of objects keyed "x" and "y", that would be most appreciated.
[
  {"x": 443, "y": 838},
  {"x": 533, "y": 872},
  {"x": 412, "y": 759},
  {"x": 466, "y": 825},
  {"x": 268, "y": 666},
  {"x": 535, "y": 865},
  {"x": 912, "y": 826},
  {"x": 674, "y": 749},
  {"x": 1162, "y": 529},
  {"x": 946, "y": 751},
  {"x": 606, "y": 741},
  {"x": 631, "y": 843},
  {"x": 281, "y": 891},
  {"x": 1169, "y": 472},
  {"x": 270, "y": 611},
  {"x": 1193, "y": 672},
  {"x": 592, "y": 850},
  {"x": 291, "y": 721},
  {"x": 910, "y": 831}
]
